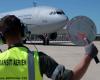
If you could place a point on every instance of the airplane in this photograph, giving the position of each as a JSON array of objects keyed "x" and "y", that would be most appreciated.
[{"x": 43, "y": 21}]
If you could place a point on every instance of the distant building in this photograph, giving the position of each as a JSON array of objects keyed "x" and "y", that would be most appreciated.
[{"x": 98, "y": 37}]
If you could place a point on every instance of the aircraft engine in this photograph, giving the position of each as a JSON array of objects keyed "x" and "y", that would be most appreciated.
[{"x": 53, "y": 36}]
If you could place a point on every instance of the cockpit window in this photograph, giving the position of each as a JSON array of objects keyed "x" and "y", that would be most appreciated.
[
  {"x": 57, "y": 12},
  {"x": 52, "y": 13},
  {"x": 60, "y": 12}
]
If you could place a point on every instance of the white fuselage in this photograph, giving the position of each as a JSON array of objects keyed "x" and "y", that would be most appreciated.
[{"x": 40, "y": 19}]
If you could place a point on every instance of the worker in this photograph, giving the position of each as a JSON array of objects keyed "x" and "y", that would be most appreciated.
[{"x": 19, "y": 63}]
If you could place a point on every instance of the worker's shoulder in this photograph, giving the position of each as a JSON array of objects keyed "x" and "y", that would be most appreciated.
[
  {"x": 4, "y": 53},
  {"x": 40, "y": 53}
]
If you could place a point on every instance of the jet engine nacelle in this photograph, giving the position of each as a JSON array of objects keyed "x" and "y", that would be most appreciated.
[{"x": 53, "y": 36}]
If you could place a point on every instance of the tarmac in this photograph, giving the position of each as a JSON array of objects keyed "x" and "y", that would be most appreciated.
[{"x": 69, "y": 55}]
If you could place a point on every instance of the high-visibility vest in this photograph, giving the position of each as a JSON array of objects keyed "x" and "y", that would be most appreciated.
[{"x": 15, "y": 65}]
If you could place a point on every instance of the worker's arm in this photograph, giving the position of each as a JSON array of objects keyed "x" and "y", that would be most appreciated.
[
  {"x": 56, "y": 71},
  {"x": 81, "y": 68},
  {"x": 52, "y": 69}
]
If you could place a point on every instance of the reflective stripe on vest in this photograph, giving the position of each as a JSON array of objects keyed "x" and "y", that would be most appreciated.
[
  {"x": 31, "y": 70},
  {"x": 36, "y": 64},
  {"x": 14, "y": 65}
]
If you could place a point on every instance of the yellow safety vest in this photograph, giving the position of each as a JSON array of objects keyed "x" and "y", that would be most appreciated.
[{"x": 14, "y": 65}]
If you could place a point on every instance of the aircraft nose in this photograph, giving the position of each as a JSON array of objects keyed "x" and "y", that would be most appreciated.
[
  {"x": 63, "y": 20},
  {"x": 60, "y": 21}
]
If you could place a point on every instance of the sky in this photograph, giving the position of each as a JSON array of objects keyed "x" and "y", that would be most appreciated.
[{"x": 72, "y": 8}]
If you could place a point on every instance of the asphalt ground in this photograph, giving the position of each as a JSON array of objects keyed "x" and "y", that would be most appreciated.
[{"x": 69, "y": 55}]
